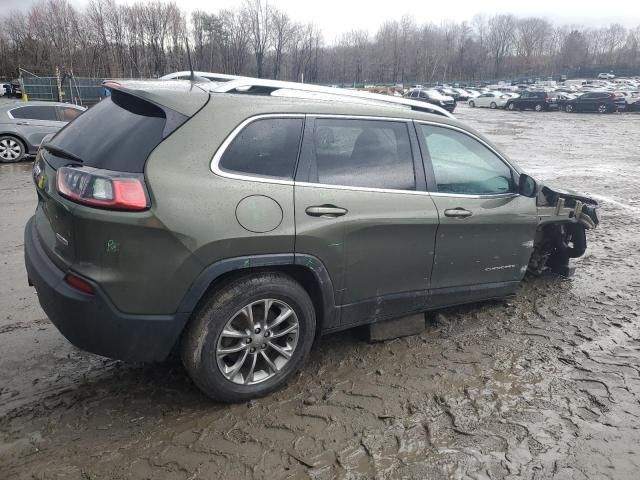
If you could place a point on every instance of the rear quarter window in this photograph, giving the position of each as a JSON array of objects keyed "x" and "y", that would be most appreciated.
[{"x": 266, "y": 147}]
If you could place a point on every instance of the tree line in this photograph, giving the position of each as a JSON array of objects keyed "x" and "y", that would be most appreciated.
[{"x": 149, "y": 39}]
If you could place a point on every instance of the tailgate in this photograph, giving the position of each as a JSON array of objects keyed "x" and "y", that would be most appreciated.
[{"x": 54, "y": 215}]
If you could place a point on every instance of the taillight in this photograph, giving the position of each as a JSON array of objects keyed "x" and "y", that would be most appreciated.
[{"x": 103, "y": 188}]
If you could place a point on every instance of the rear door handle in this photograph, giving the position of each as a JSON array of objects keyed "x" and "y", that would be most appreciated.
[
  {"x": 23, "y": 123},
  {"x": 327, "y": 211},
  {"x": 457, "y": 213}
]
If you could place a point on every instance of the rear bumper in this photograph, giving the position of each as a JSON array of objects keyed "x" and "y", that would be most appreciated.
[{"x": 92, "y": 322}]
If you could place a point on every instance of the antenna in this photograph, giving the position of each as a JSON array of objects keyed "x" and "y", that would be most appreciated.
[{"x": 193, "y": 76}]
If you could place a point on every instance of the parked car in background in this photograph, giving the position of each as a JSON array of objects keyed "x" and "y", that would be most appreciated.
[
  {"x": 324, "y": 220},
  {"x": 434, "y": 97},
  {"x": 606, "y": 76},
  {"x": 6, "y": 90},
  {"x": 538, "y": 101},
  {"x": 24, "y": 125},
  {"x": 449, "y": 92},
  {"x": 463, "y": 95},
  {"x": 490, "y": 100},
  {"x": 562, "y": 98},
  {"x": 600, "y": 102}
]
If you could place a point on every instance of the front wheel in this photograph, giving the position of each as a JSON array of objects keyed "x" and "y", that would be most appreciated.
[
  {"x": 11, "y": 149},
  {"x": 472, "y": 104},
  {"x": 249, "y": 337},
  {"x": 493, "y": 105},
  {"x": 539, "y": 107},
  {"x": 511, "y": 107},
  {"x": 602, "y": 108},
  {"x": 568, "y": 108}
]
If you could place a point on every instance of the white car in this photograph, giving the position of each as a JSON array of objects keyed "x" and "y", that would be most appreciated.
[
  {"x": 491, "y": 100},
  {"x": 606, "y": 76}
]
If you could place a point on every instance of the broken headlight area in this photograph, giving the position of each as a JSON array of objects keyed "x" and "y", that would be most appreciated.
[{"x": 563, "y": 219}]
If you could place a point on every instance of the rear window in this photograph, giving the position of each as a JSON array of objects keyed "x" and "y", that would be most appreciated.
[{"x": 119, "y": 133}]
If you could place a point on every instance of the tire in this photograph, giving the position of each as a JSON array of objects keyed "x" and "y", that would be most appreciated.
[
  {"x": 11, "y": 149},
  {"x": 602, "y": 108},
  {"x": 538, "y": 107},
  {"x": 227, "y": 309},
  {"x": 569, "y": 108},
  {"x": 511, "y": 107},
  {"x": 493, "y": 105},
  {"x": 472, "y": 104}
]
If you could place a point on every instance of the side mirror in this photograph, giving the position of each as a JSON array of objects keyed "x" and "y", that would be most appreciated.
[{"x": 527, "y": 186}]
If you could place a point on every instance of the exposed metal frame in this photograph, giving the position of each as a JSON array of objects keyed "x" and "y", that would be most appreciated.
[
  {"x": 215, "y": 167},
  {"x": 241, "y": 84}
]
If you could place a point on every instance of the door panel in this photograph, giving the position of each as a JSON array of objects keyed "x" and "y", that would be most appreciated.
[
  {"x": 486, "y": 230},
  {"x": 377, "y": 243},
  {"x": 34, "y": 122},
  {"x": 494, "y": 244}
]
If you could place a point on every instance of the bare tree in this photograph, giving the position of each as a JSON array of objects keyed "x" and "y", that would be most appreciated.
[
  {"x": 282, "y": 31},
  {"x": 259, "y": 19}
]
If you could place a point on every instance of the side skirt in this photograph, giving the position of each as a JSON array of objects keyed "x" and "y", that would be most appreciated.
[{"x": 379, "y": 309}]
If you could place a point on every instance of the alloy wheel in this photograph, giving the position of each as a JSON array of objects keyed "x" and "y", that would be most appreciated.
[
  {"x": 257, "y": 342},
  {"x": 10, "y": 150},
  {"x": 602, "y": 109}
]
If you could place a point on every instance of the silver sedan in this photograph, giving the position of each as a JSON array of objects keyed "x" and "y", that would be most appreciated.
[
  {"x": 24, "y": 125},
  {"x": 491, "y": 100}
]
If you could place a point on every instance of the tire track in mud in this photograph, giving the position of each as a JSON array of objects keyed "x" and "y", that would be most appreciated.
[{"x": 543, "y": 385}]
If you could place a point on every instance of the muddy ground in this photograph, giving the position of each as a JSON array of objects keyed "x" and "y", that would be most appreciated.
[{"x": 543, "y": 385}]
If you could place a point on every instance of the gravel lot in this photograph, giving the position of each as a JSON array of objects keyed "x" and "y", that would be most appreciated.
[{"x": 544, "y": 385}]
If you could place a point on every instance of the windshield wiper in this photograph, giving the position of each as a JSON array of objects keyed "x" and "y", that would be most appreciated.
[{"x": 61, "y": 152}]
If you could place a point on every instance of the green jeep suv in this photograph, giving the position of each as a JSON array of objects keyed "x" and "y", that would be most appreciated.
[{"x": 237, "y": 221}]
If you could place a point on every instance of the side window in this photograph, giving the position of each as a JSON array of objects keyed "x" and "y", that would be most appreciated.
[
  {"x": 68, "y": 113},
  {"x": 35, "y": 113},
  {"x": 424, "y": 95},
  {"x": 266, "y": 147},
  {"x": 362, "y": 153},
  {"x": 463, "y": 165},
  {"x": 414, "y": 94}
]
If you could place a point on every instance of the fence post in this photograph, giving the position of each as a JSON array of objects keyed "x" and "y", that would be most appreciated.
[{"x": 58, "y": 84}]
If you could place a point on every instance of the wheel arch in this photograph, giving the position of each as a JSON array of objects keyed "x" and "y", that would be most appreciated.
[{"x": 307, "y": 270}]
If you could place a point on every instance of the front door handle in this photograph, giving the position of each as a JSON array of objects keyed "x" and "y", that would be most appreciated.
[
  {"x": 23, "y": 123},
  {"x": 327, "y": 211},
  {"x": 457, "y": 213}
]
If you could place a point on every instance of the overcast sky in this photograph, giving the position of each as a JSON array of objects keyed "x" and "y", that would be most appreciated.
[{"x": 337, "y": 16}]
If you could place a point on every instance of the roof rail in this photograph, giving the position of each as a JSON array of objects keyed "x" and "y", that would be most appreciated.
[
  {"x": 259, "y": 85},
  {"x": 186, "y": 75}
]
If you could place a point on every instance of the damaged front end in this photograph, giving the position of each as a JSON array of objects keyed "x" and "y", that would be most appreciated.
[{"x": 563, "y": 219}]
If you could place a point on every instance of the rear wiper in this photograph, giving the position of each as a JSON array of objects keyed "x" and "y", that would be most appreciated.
[{"x": 61, "y": 152}]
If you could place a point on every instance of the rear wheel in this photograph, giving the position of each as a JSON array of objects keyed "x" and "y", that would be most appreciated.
[
  {"x": 602, "y": 108},
  {"x": 568, "y": 108},
  {"x": 11, "y": 149},
  {"x": 539, "y": 107},
  {"x": 472, "y": 104},
  {"x": 493, "y": 105},
  {"x": 249, "y": 337}
]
